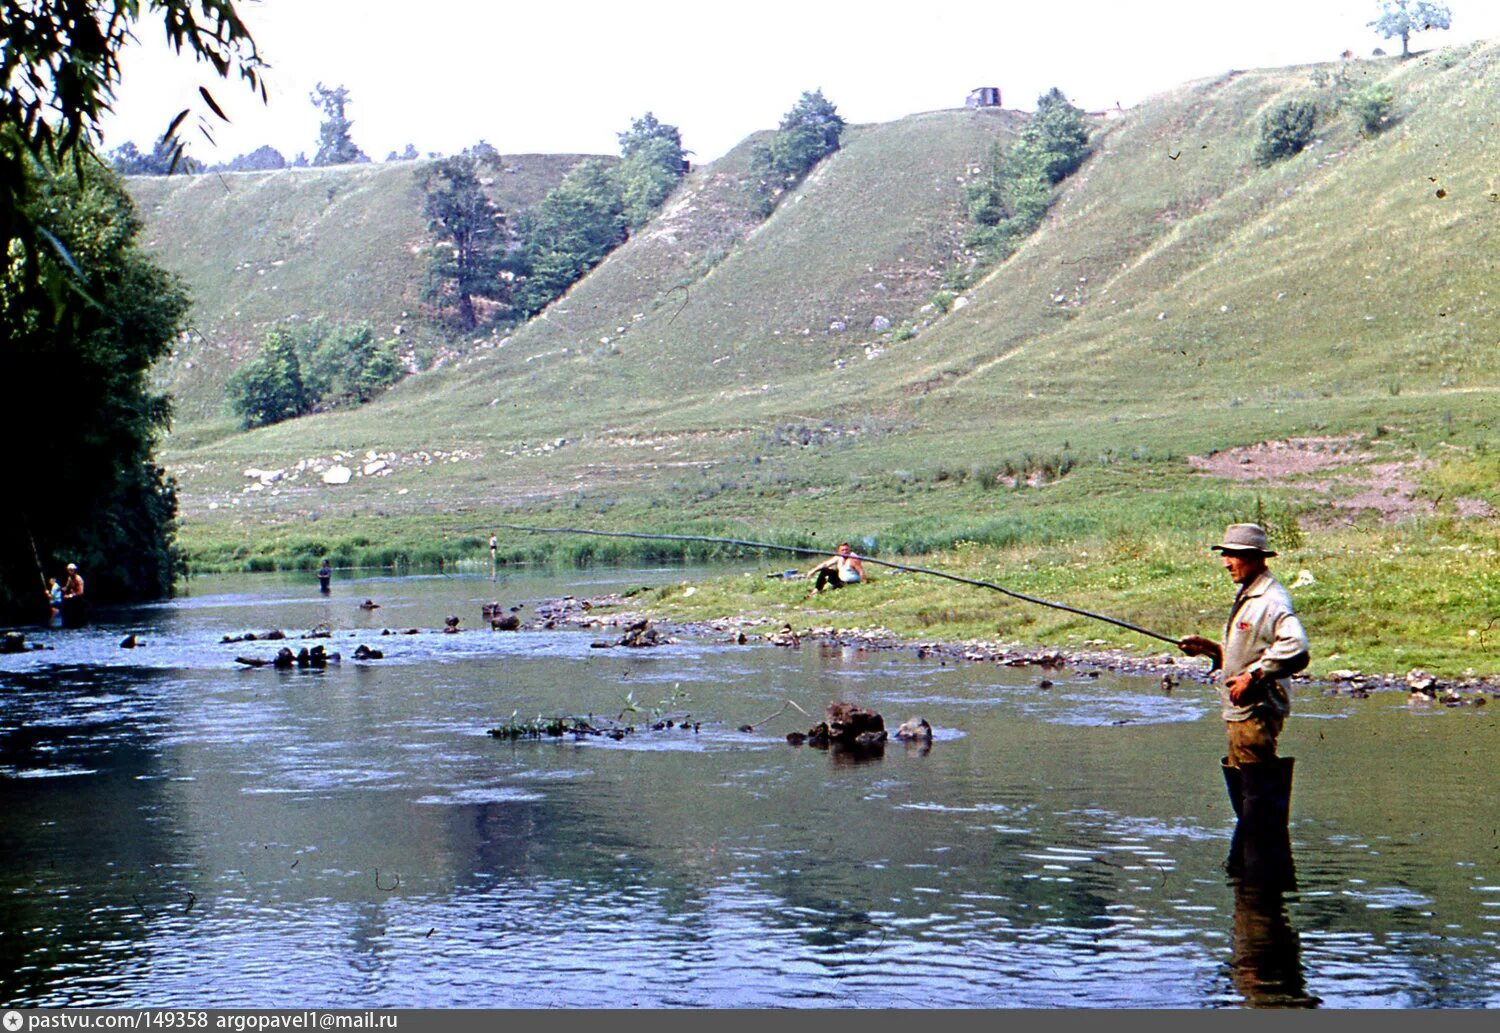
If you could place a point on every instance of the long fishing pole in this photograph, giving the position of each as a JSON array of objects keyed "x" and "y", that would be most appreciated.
[
  {"x": 865, "y": 559},
  {"x": 40, "y": 571}
]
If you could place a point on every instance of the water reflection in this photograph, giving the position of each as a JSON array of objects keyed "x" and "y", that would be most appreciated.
[
  {"x": 186, "y": 832},
  {"x": 1267, "y": 961}
]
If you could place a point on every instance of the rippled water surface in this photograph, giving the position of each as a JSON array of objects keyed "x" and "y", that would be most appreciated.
[{"x": 180, "y": 831}]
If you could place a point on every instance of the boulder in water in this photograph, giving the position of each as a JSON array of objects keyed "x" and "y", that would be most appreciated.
[{"x": 914, "y": 729}]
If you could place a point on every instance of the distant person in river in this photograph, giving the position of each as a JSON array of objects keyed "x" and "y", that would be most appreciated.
[
  {"x": 54, "y": 599},
  {"x": 838, "y": 571},
  {"x": 1264, "y": 645},
  {"x": 325, "y": 573},
  {"x": 494, "y": 555},
  {"x": 73, "y": 602}
]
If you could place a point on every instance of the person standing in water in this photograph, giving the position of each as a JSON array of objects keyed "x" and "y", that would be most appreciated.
[
  {"x": 74, "y": 606},
  {"x": 1264, "y": 645},
  {"x": 325, "y": 574},
  {"x": 54, "y": 600}
]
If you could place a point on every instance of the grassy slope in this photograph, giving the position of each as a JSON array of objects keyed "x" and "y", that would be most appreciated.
[
  {"x": 260, "y": 248},
  {"x": 1205, "y": 302}
]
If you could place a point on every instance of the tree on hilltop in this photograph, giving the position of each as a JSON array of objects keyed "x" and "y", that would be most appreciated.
[
  {"x": 1059, "y": 133},
  {"x": 1010, "y": 196},
  {"x": 264, "y": 158},
  {"x": 650, "y": 167},
  {"x": 1405, "y": 17},
  {"x": 809, "y": 132},
  {"x": 334, "y": 144},
  {"x": 578, "y": 223},
  {"x": 167, "y": 156},
  {"x": 646, "y": 130},
  {"x": 466, "y": 260}
]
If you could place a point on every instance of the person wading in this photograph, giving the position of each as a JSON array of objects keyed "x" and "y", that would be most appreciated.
[
  {"x": 74, "y": 606},
  {"x": 1264, "y": 645}
]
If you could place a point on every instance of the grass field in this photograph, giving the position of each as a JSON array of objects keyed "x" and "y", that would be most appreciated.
[{"x": 798, "y": 380}]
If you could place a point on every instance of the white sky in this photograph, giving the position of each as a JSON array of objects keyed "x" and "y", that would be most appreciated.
[{"x": 567, "y": 75}]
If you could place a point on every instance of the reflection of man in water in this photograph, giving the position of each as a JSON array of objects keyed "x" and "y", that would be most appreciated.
[{"x": 1266, "y": 965}]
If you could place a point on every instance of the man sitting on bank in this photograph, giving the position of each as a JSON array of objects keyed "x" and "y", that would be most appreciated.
[{"x": 838, "y": 571}]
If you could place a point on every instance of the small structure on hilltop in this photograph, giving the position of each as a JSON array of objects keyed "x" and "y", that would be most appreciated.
[{"x": 983, "y": 97}]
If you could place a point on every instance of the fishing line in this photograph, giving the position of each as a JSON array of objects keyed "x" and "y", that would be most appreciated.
[{"x": 864, "y": 559}]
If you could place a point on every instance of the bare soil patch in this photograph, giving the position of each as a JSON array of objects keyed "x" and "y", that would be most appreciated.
[
  {"x": 1280, "y": 461},
  {"x": 1388, "y": 487}
]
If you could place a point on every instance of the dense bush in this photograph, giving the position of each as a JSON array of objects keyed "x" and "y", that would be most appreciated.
[
  {"x": 299, "y": 369},
  {"x": 1372, "y": 106},
  {"x": 809, "y": 132},
  {"x": 579, "y": 222},
  {"x": 268, "y": 387},
  {"x": 1014, "y": 189},
  {"x": 1285, "y": 130},
  {"x": 592, "y": 211}
]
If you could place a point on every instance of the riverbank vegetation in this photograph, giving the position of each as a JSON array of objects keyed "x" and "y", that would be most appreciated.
[{"x": 1121, "y": 535}]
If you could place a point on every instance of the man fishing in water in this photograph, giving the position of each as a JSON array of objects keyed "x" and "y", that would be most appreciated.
[
  {"x": 1264, "y": 645},
  {"x": 73, "y": 603}
]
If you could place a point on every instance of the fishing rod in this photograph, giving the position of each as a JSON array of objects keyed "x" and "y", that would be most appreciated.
[
  {"x": 865, "y": 559},
  {"x": 40, "y": 571}
]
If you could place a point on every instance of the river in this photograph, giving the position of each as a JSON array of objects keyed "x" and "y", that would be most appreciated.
[{"x": 184, "y": 832}]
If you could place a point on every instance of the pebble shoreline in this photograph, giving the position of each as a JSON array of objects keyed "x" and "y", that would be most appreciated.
[{"x": 570, "y": 611}]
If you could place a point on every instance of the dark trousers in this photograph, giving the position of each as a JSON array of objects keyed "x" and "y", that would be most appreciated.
[{"x": 830, "y": 577}]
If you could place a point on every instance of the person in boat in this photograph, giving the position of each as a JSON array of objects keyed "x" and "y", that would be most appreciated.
[
  {"x": 1264, "y": 644},
  {"x": 838, "y": 571},
  {"x": 325, "y": 573},
  {"x": 73, "y": 601}
]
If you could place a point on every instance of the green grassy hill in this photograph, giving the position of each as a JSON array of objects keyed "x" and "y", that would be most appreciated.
[
  {"x": 261, "y": 248},
  {"x": 793, "y": 377}
]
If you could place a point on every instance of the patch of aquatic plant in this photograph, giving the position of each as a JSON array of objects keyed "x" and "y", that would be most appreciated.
[{"x": 656, "y": 718}]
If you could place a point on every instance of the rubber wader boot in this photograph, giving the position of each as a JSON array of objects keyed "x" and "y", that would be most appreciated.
[
  {"x": 1261, "y": 852},
  {"x": 1232, "y": 781},
  {"x": 1266, "y": 793}
]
